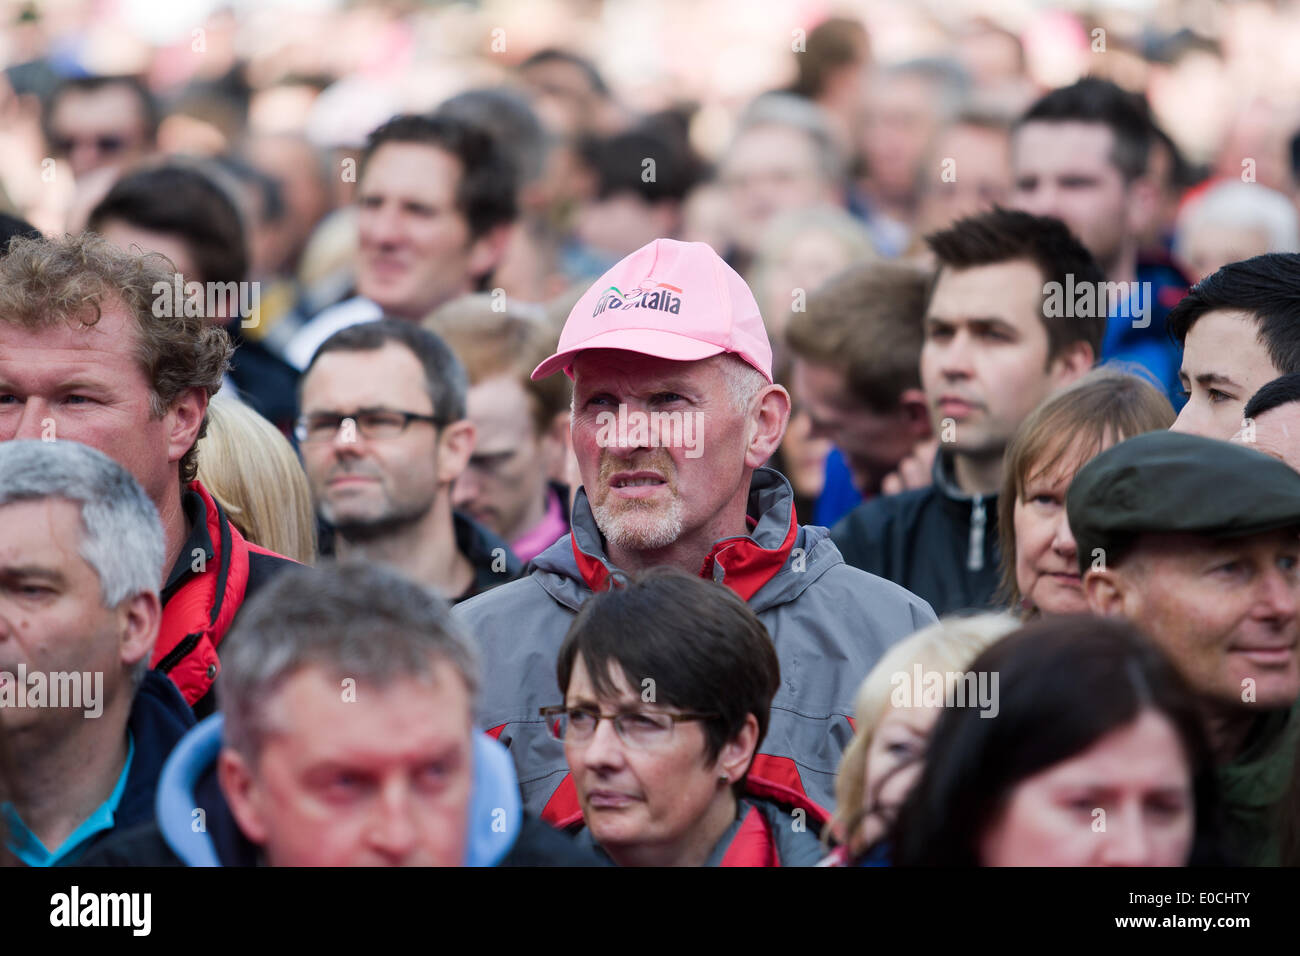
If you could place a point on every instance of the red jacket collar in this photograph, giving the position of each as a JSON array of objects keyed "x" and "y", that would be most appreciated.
[{"x": 739, "y": 562}]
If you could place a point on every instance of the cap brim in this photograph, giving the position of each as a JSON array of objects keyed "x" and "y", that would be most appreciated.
[{"x": 655, "y": 342}]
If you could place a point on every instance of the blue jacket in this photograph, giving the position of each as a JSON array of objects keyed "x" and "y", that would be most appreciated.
[{"x": 188, "y": 782}]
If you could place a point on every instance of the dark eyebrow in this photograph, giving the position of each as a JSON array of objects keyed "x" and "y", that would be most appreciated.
[
  {"x": 1214, "y": 378},
  {"x": 32, "y": 571}
]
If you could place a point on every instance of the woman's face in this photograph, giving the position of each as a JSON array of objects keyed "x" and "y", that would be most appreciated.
[
  {"x": 894, "y": 761},
  {"x": 636, "y": 800},
  {"x": 1125, "y": 801},
  {"x": 1047, "y": 563}
]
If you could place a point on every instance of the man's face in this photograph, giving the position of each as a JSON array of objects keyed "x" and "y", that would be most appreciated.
[
  {"x": 366, "y": 486},
  {"x": 984, "y": 362},
  {"x": 1137, "y": 775},
  {"x": 1224, "y": 363},
  {"x": 901, "y": 121},
  {"x": 768, "y": 170},
  {"x": 1224, "y": 611},
  {"x": 638, "y": 797},
  {"x": 1065, "y": 170},
  {"x": 52, "y": 616},
  {"x": 86, "y": 385},
  {"x": 382, "y": 780},
  {"x": 502, "y": 487},
  {"x": 872, "y": 442},
  {"x": 982, "y": 175},
  {"x": 101, "y": 128},
  {"x": 654, "y": 488},
  {"x": 1276, "y": 432},
  {"x": 415, "y": 246},
  {"x": 1209, "y": 246}
]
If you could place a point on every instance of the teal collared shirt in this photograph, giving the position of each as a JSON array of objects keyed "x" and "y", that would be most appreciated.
[{"x": 27, "y": 846}]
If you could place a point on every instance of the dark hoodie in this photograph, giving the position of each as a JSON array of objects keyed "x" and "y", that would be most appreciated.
[{"x": 938, "y": 542}]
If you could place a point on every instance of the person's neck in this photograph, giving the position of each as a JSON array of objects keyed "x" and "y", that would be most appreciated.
[
  {"x": 1228, "y": 729},
  {"x": 532, "y": 517},
  {"x": 176, "y": 524},
  {"x": 424, "y": 550},
  {"x": 978, "y": 474},
  {"x": 693, "y": 849},
  {"x": 68, "y": 772},
  {"x": 687, "y": 552}
]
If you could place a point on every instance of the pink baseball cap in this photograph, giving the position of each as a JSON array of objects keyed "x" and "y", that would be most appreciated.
[{"x": 670, "y": 299}]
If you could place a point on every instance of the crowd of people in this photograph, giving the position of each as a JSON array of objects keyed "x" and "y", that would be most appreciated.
[{"x": 888, "y": 465}]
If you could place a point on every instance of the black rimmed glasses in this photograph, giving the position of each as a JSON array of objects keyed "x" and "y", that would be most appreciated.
[
  {"x": 369, "y": 423},
  {"x": 643, "y": 730}
]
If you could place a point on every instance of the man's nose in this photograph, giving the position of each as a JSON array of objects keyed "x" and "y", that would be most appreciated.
[
  {"x": 392, "y": 830},
  {"x": 466, "y": 488},
  {"x": 35, "y": 420}
]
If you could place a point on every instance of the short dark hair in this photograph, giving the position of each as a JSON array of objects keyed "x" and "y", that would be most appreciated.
[
  {"x": 582, "y": 64},
  {"x": 444, "y": 375},
  {"x": 180, "y": 198},
  {"x": 618, "y": 162},
  {"x": 1094, "y": 100},
  {"x": 1266, "y": 286},
  {"x": 1280, "y": 391},
  {"x": 1004, "y": 235},
  {"x": 711, "y": 655},
  {"x": 149, "y": 111},
  {"x": 507, "y": 115},
  {"x": 486, "y": 193},
  {"x": 1064, "y": 683}
]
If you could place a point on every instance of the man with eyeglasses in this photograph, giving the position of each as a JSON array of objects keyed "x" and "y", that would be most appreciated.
[
  {"x": 384, "y": 436},
  {"x": 98, "y": 121}
]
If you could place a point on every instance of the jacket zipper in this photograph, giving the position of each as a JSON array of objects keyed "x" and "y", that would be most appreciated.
[
  {"x": 177, "y": 653},
  {"x": 975, "y": 559}
]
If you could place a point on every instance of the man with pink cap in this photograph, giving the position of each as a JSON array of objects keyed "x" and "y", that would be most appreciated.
[{"x": 674, "y": 415}]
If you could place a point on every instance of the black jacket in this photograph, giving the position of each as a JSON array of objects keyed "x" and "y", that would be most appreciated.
[
  {"x": 938, "y": 542},
  {"x": 159, "y": 719}
]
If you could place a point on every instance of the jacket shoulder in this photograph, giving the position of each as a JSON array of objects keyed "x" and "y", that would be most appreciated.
[
  {"x": 141, "y": 845},
  {"x": 865, "y": 533},
  {"x": 542, "y": 845},
  {"x": 263, "y": 566},
  {"x": 879, "y": 595}
]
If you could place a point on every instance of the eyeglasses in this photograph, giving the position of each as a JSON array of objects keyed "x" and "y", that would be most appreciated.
[
  {"x": 370, "y": 423},
  {"x": 643, "y": 730}
]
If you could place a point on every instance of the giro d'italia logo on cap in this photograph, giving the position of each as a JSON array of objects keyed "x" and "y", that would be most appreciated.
[{"x": 659, "y": 296}]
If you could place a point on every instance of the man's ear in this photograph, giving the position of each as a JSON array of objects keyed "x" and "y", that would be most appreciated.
[
  {"x": 487, "y": 251},
  {"x": 1075, "y": 360},
  {"x": 916, "y": 414},
  {"x": 770, "y": 415},
  {"x": 455, "y": 445},
  {"x": 1141, "y": 205},
  {"x": 1105, "y": 591},
  {"x": 235, "y": 778},
  {"x": 183, "y": 421},
  {"x": 139, "y": 617}
]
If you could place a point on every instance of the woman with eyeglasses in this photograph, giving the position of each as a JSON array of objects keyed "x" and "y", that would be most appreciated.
[{"x": 667, "y": 683}]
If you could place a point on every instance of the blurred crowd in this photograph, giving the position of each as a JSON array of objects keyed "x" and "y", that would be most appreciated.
[{"x": 1004, "y": 296}]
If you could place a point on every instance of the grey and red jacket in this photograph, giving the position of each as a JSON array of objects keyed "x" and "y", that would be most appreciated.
[
  {"x": 216, "y": 571},
  {"x": 774, "y": 826},
  {"x": 830, "y": 623}
]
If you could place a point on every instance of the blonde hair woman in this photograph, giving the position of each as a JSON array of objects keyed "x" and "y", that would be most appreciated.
[
  {"x": 885, "y": 756},
  {"x": 255, "y": 475}
]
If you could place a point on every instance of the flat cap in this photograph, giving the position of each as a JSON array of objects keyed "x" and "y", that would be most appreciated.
[{"x": 1168, "y": 483}]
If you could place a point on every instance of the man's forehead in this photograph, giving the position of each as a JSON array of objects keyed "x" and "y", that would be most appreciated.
[
  {"x": 40, "y": 531},
  {"x": 602, "y": 365}
]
